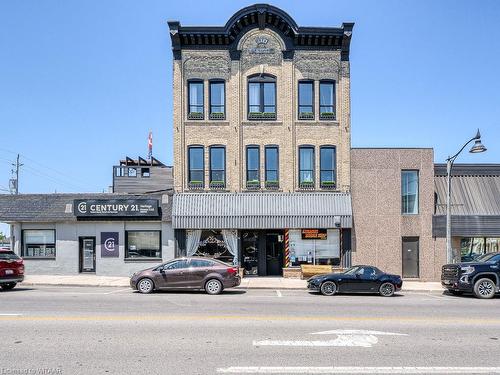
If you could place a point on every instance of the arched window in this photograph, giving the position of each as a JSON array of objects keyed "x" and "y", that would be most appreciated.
[{"x": 262, "y": 97}]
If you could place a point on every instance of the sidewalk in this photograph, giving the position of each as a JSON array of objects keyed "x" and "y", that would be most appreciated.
[{"x": 246, "y": 282}]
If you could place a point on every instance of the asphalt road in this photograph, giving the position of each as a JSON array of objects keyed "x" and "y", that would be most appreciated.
[{"x": 76, "y": 330}]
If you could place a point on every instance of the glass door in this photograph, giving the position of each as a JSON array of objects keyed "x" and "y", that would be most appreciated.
[
  {"x": 87, "y": 254},
  {"x": 250, "y": 252},
  {"x": 274, "y": 253}
]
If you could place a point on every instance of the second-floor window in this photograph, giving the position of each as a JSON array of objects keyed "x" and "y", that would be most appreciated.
[
  {"x": 262, "y": 98},
  {"x": 196, "y": 172},
  {"x": 217, "y": 100},
  {"x": 409, "y": 192},
  {"x": 306, "y": 100},
  {"x": 217, "y": 166},
  {"x": 272, "y": 175},
  {"x": 327, "y": 167},
  {"x": 195, "y": 100},
  {"x": 306, "y": 166},
  {"x": 327, "y": 100},
  {"x": 253, "y": 165}
]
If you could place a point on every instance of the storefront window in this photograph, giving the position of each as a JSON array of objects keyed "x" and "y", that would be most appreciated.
[
  {"x": 472, "y": 247},
  {"x": 314, "y": 251},
  {"x": 143, "y": 244},
  {"x": 39, "y": 243},
  {"x": 212, "y": 245}
]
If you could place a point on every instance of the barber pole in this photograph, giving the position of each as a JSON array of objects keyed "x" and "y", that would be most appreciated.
[{"x": 287, "y": 249}]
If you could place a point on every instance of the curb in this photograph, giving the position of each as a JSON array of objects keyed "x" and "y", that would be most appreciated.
[{"x": 236, "y": 288}]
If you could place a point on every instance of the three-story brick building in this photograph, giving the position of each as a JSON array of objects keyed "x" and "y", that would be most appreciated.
[{"x": 262, "y": 141}]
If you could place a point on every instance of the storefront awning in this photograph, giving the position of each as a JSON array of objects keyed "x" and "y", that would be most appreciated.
[{"x": 261, "y": 210}]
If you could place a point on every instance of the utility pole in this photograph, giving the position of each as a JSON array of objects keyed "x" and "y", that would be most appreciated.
[{"x": 14, "y": 182}]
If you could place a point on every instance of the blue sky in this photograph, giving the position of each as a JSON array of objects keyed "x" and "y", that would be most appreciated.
[{"x": 82, "y": 82}]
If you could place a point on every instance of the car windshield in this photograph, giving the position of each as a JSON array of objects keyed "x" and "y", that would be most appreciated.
[{"x": 8, "y": 255}]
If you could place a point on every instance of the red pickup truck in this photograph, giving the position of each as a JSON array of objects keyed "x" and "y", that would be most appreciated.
[{"x": 11, "y": 269}]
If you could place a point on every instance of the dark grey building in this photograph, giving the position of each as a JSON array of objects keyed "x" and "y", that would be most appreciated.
[{"x": 141, "y": 176}]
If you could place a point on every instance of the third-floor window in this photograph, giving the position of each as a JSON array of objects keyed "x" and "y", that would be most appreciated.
[
  {"x": 327, "y": 100},
  {"x": 195, "y": 97},
  {"x": 262, "y": 98},
  {"x": 306, "y": 100},
  {"x": 217, "y": 100}
]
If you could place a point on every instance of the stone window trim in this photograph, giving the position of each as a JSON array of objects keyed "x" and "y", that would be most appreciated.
[{"x": 199, "y": 110}]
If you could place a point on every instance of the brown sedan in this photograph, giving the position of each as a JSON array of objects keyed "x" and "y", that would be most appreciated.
[{"x": 211, "y": 275}]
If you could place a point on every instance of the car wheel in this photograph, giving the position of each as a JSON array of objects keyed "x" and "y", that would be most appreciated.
[
  {"x": 145, "y": 285},
  {"x": 328, "y": 288},
  {"x": 213, "y": 286},
  {"x": 484, "y": 288},
  {"x": 8, "y": 286},
  {"x": 387, "y": 289}
]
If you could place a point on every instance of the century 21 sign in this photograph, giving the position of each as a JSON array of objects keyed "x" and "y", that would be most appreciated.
[{"x": 115, "y": 207}]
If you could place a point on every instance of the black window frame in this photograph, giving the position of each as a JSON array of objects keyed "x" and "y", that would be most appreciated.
[
  {"x": 23, "y": 244},
  {"x": 216, "y": 115},
  {"x": 418, "y": 192},
  {"x": 328, "y": 184},
  {"x": 325, "y": 115},
  {"x": 305, "y": 115},
  {"x": 261, "y": 79},
  {"x": 195, "y": 183},
  {"x": 145, "y": 172},
  {"x": 191, "y": 115},
  {"x": 306, "y": 184},
  {"x": 126, "y": 257},
  {"x": 253, "y": 183},
  {"x": 271, "y": 183},
  {"x": 216, "y": 183}
]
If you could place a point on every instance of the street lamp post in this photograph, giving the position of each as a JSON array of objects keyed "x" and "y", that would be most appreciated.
[{"x": 478, "y": 147}]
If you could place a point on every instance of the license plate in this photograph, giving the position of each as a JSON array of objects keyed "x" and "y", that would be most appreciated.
[{"x": 9, "y": 272}]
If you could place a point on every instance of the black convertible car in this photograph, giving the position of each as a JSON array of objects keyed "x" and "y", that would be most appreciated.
[{"x": 357, "y": 279}]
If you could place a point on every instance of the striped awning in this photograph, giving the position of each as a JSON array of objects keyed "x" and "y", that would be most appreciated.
[{"x": 261, "y": 210}]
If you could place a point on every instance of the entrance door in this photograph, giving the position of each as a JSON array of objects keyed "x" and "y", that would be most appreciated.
[
  {"x": 410, "y": 257},
  {"x": 274, "y": 253},
  {"x": 87, "y": 254},
  {"x": 250, "y": 252}
]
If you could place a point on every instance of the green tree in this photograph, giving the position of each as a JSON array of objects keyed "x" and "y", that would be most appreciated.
[{"x": 2, "y": 237}]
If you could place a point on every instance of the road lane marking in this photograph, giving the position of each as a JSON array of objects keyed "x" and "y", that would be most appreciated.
[
  {"x": 358, "y": 370},
  {"x": 5, "y": 314},
  {"x": 119, "y": 291},
  {"x": 279, "y": 294},
  {"x": 345, "y": 337},
  {"x": 144, "y": 317}
]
